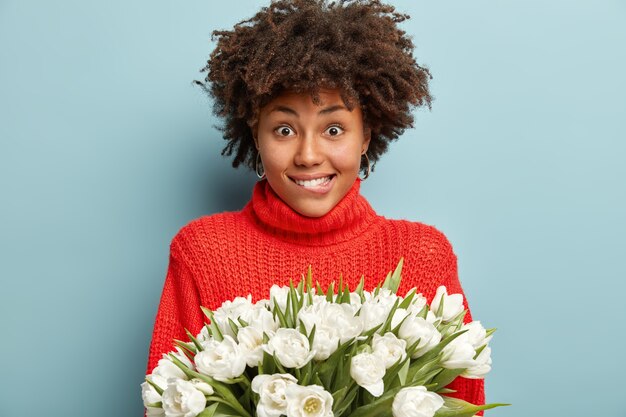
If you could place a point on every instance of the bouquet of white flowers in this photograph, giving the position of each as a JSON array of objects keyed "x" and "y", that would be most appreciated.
[{"x": 308, "y": 353}]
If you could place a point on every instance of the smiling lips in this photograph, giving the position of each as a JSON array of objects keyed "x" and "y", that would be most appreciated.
[{"x": 320, "y": 184}]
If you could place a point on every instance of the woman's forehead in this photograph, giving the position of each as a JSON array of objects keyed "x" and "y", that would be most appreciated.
[{"x": 326, "y": 96}]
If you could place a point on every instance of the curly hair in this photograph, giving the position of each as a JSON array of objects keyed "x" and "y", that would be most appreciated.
[{"x": 305, "y": 45}]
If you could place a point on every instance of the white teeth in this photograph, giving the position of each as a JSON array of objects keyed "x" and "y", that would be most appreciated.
[{"x": 312, "y": 183}]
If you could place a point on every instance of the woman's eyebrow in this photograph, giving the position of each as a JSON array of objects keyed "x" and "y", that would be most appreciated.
[{"x": 326, "y": 110}]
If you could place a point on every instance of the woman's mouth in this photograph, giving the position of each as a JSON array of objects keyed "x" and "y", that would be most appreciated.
[{"x": 320, "y": 184}]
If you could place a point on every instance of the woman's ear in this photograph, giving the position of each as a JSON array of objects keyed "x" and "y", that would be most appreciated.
[{"x": 367, "y": 137}]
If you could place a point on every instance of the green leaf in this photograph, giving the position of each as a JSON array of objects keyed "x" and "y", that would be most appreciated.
[
  {"x": 392, "y": 282},
  {"x": 188, "y": 349},
  {"x": 319, "y": 290},
  {"x": 359, "y": 288},
  {"x": 311, "y": 337},
  {"x": 446, "y": 391},
  {"x": 407, "y": 299},
  {"x": 221, "y": 410},
  {"x": 371, "y": 331},
  {"x": 295, "y": 303},
  {"x": 341, "y": 406},
  {"x": 439, "y": 311},
  {"x": 309, "y": 279},
  {"x": 279, "y": 314},
  {"x": 479, "y": 350},
  {"x": 208, "y": 313},
  {"x": 288, "y": 315},
  {"x": 413, "y": 347},
  {"x": 330, "y": 292},
  {"x": 432, "y": 355},
  {"x": 306, "y": 373},
  {"x": 378, "y": 408},
  {"x": 425, "y": 377},
  {"x": 233, "y": 326},
  {"x": 186, "y": 370},
  {"x": 194, "y": 340},
  {"x": 339, "y": 289},
  {"x": 209, "y": 411},
  {"x": 345, "y": 298},
  {"x": 403, "y": 372},
  {"x": 377, "y": 289},
  {"x": 326, "y": 369},
  {"x": 490, "y": 332},
  {"x": 387, "y": 323},
  {"x": 269, "y": 366},
  {"x": 155, "y": 386},
  {"x": 339, "y": 395},
  {"x": 446, "y": 376},
  {"x": 423, "y": 312},
  {"x": 215, "y": 330},
  {"x": 220, "y": 388},
  {"x": 454, "y": 407}
]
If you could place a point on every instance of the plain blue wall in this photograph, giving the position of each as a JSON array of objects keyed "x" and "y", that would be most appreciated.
[{"x": 106, "y": 150}]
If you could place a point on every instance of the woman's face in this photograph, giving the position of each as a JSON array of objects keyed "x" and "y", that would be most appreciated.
[{"x": 311, "y": 153}]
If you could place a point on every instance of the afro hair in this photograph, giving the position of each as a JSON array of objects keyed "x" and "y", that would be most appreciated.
[{"x": 305, "y": 45}]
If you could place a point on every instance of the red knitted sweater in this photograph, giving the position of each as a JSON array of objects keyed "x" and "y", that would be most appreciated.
[{"x": 218, "y": 257}]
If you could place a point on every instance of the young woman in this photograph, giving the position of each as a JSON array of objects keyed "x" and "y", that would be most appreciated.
[{"x": 311, "y": 93}]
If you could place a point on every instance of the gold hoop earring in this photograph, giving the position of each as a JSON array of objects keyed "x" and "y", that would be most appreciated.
[
  {"x": 257, "y": 163},
  {"x": 367, "y": 171}
]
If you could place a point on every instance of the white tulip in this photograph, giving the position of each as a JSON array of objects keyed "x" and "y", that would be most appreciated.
[
  {"x": 482, "y": 367},
  {"x": 355, "y": 299},
  {"x": 432, "y": 319},
  {"x": 452, "y": 304},
  {"x": 458, "y": 354},
  {"x": 231, "y": 310},
  {"x": 341, "y": 317},
  {"x": 221, "y": 360},
  {"x": 168, "y": 369},
  {"x": 290, "y": 348},
  {"x": 416, "y": 402},
  {"x": 271, "y": 390},
  {"x": 251, "y": 345},
  {"x": 376, "y": 310},
  {"x": 334, "y": 323},
  {"x": 417, "y": 304},
  {"x": 261, "y": 318},
  {"x": 368, "y": 371},
  {"x": 338, "y": 319},
  {"x": 182, "y": 399},
  {"x": 389, "y": 348},
  {"x": 149, "y": 395},
  {"x": 414, "y": 328},
  {"x": 325, "y": 343},
  {"x": 204, "y": 335},
  {"x": 309, "y": 401},
  {"x": 476, "y": 334},
  {"x": 398, "y": 316},
  {"x": 202, "y": 386},
  {"x": 278, "y": 296}
]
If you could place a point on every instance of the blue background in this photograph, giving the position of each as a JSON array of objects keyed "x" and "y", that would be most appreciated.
[{"x": 106, "y": 150}]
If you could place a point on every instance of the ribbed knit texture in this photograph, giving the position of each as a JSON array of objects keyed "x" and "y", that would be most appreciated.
[{"x": 219, "y": 257}]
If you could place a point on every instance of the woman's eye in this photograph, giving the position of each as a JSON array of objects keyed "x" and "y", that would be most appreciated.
[
  {"x": 334, "y": 130},
  {"x": 284, "y": 131}
]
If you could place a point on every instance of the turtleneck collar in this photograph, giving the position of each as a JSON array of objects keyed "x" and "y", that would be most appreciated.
[{"x": 348, "y": 219}]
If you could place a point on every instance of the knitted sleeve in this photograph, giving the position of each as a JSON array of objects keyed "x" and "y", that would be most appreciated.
[
  {"x": 471, "y": 390},
  {"x": 179, "y": 308}
]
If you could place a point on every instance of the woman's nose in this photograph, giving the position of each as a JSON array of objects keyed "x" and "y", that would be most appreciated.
[{"x": 308, "y": 152}]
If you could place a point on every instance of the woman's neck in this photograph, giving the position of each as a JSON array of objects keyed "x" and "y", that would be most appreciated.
[{"x": 348, "y": 219}]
